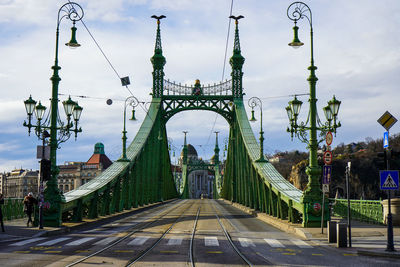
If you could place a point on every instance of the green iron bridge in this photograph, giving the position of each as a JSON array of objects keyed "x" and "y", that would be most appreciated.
[{"x": 146, "y": 177}]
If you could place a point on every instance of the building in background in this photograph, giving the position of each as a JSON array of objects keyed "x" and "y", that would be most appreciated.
[
  {"x": 19, "y": 182},
  {"x": 200, "y": 182},
  {"x": 74, "y": 174}
]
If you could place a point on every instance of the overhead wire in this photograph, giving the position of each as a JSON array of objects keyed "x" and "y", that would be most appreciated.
[
  {"x": 223, "y": 70},
  {"x": 102, "y": 52}
]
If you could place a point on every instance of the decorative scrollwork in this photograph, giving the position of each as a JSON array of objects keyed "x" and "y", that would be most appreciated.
[
  {"x": 255, "y": 101},
  {"x": 71, "y": 11},
  {"x": 223, "y": 88},
  {"x": 299, "y": 10},
  {"x": 132, "y": 101}
]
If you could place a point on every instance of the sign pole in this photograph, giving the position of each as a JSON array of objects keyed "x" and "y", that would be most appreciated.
[
  {"x": 387, "y": 120},
  {"x": 326, "y": 174},
  {"x": 348, "y": 201},
  {"x": 322, "y": 217},
  {"x": 390, "y": 244}
]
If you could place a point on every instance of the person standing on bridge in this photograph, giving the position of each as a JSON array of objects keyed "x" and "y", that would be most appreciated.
[{"x": 29, "y": 202}]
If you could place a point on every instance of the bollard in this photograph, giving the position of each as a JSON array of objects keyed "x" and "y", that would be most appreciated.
[
  {"x": 332, "y": 232},
  {"x": 341, "y": 235}
]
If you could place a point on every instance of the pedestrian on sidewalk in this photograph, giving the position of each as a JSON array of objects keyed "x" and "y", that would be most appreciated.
[
  {"x": 29, "y": 202},
  {"x": 1, "y": 212}
]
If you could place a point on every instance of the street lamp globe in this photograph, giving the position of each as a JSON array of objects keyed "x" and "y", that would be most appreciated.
[
  {"x": 29, "y": 105},
  {"x": 252, "y": 119},
  {"x": 328, "y": 113},
  {"x": 39, "y": 111},
  {"x": 295, "y": 106},
  {"x": 334, "y": 104},
  {"x": 289, "y": 113},
  {"x": 68, "y": 106},
  {"x": 133, "y": 118},
  {"x": 76, "y": 112},
  {"x": 296, "y": 43},
  {"x": 73, "y": 43}
]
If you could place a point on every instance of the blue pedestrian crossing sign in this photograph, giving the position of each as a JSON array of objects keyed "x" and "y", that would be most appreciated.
[
  {"x": 385, "y": 139},
  {"x": 389, "y": 180}
]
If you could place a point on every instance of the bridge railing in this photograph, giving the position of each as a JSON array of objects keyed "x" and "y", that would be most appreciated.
[
  {"x": 253, "y": 183},
  {"x": 127, "y": 183},
  {"x": 370, "y": 211},
  {"x": 173, "y": 88},
  {"x": 13, "y": 208}
]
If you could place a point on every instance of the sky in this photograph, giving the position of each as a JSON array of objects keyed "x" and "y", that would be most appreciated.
[{"x": 355, "y": 50}]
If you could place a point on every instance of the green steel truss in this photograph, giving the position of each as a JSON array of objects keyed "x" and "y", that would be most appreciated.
[{"x": 147, "y": 176}]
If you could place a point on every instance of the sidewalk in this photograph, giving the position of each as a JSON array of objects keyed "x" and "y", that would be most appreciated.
[{"x": 367, "y": 239}]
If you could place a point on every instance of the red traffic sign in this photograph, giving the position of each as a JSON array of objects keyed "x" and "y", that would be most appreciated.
[
  {"x": 317, "y": 207},
  {"x": 327, "y": 157},
  {"x": 329, "y": 138}
]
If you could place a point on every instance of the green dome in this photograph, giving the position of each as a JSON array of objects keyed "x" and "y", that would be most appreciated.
[{"x": 99, "y": 148}]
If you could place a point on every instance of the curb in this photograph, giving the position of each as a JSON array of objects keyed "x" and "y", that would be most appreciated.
[{"x": 385, "y": 254}]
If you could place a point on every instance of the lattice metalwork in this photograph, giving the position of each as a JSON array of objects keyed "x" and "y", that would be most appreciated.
[
  {"x": 222, "y": 105},
  {"x": 172, "y": 88}
]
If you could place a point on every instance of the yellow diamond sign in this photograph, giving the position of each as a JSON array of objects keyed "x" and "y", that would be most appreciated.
[{"x": 387, "y": 120}]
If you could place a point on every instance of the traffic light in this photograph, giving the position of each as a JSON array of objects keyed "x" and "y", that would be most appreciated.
[
  {"x": 381, "y": 160},
  {"x": 387, "y": 156},
  {"x": 45, "y": 169}
]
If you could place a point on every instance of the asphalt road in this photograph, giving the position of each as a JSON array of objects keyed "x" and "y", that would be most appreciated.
[{"x": 210, "y": 232}]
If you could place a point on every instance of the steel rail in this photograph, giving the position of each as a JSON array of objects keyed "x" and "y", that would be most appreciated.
[
  {"x": 230, "y": 239},
  {"x": 259, "y": 254},
  {"x": 145, "y": 252},
  {"x": 165, "y": 212},
  {"x": 192, "y": 239}
]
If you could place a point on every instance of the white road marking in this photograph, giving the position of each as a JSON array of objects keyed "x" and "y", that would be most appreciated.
[
  {"x": 175, "y": 241},
  {"x": 245, "y": 242},
  {"x": 106, "y": 241},
  {"x": 21, "y": 243},
  {"x": 80, "y": 241},
  {"x": 301, "y": 243},
  {"x": 274, "y": 243},
  {"x": 138, "y": 241},
  {"x": 54, "y": 241},
  {"x": 211, "y": 241}
]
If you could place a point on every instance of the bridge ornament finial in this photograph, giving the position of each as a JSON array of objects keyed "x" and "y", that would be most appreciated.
[
  {"x": 216, "y": 149},
  {"x": 158, "y": 61},
  {"x": 237, "y": 61}
]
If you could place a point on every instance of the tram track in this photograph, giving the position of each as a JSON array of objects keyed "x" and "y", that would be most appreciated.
[
  {"x": 228, "y": 237},
  {"x": 191, "y": 260},
  {"x": 149, "y": 249},
  {"x": 136, "y": 229}
]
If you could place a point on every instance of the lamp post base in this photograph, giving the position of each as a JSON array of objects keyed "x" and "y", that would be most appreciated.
[{"x": 52, "y": 215}]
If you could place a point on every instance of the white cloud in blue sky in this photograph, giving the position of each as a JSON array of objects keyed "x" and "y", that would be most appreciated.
[{"x": 356, "y": 52}]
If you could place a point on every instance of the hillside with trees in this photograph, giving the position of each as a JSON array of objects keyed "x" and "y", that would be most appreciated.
[{"x": 365, "y": 166}]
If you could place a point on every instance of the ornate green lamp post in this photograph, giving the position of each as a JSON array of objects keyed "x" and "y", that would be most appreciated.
[
  {"x": 312, "y": 195},
  {"x": 253, "y": 102},
  {"x": 133, "y": 102},
  {"x": 59, "y": 131}
]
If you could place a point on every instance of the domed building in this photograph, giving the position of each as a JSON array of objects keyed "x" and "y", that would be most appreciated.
[{"x": 200, "y": 182}]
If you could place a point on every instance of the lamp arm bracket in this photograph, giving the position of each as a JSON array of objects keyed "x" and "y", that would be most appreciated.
[
  {"x": 71, "y": 11},
  {"x": 299, "y": 10}
]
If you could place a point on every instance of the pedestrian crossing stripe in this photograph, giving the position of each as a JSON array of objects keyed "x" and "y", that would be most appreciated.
[{"x": 48, "y": 245}]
